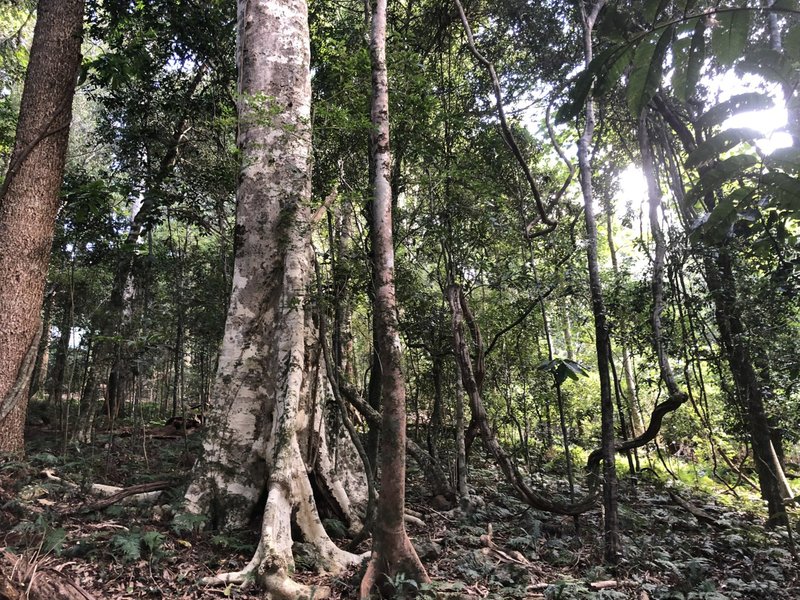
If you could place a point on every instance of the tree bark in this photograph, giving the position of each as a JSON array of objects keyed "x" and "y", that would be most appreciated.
[
  {"x": 267, "y": 400},
  {"x": 29, "y": 201},
  {"x": 392, "y": 552},
  {"x": 613, "y": 545},
  {"x": 39, "y": 374}
]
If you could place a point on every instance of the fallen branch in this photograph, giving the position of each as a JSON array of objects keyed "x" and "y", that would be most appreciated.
[
  {"x": 699, "y": 513},
  {"x": 146, "y": 491}
]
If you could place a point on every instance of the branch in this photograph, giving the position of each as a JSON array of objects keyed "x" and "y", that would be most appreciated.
[
  {"x": 329, "y": 200},
  {"x": 434, "y": 474},
  {"x": 490, "y": 443},
  {"x": 134, "y": 490},
  {"x": 507, "y": 135},
  {"x": 659, "y": 412}
]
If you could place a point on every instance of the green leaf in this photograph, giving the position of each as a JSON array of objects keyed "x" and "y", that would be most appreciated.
[
  {"x": 153, "y": 541},
  {"x": 688, "y": 55},
  {"x": 736, "y": 104},
  {"x": 684, "y": 6},
  {"x": 785, "y": 159},
  {"x": 546, "y": 365},
  {"x": 791, "y": 43},
  {"x": 614, "y": 25},
  {"x": 54, "y": 541},
  {"x": 652, "y": 9},
  {"x": 771, "y": 65},
  {"x": 722, "y": 171},
  {"x": 130, "y": 544},
  {"x": 578, "y": 94},
  {"x": 562, "y": 369},
  {"x": 697, "y": 55},
  {"x": 607, "y": 79},
  {"x": 575, "y": 368},
  {"x": 729, "y": 37},
  {"x": 716, "y": 225},
  {"x": 719, "y": 144},
  {"x": 648, "y": 65},
  {"x": 784, "y": 188},
  {"x": 579, "y": 91},
  {"x": 782, "y": 5}
]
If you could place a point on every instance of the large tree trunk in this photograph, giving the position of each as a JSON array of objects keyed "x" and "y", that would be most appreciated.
[
  {"x": 29, "y": 200},
  {"x": 392, "y": 552},
  {"x": 266, "y": 402}
]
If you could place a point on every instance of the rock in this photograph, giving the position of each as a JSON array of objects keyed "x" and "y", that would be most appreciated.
[
  {"x": 428, "y": 550},
  {"x": 441, "y": 503}
]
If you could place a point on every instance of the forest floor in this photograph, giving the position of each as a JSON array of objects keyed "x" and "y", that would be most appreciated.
[{"x": 678, "y": 544}]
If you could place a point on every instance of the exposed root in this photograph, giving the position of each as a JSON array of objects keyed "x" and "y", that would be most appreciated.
[
  {"x": 281, "y": 587},
  {"x": 381, "y": 572},
  {"x": 276, "y": 586},
  {"x": 243, "y": 577},
  {"x": 413, "y": 520}
]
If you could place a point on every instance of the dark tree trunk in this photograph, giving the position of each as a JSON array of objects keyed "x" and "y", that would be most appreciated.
[
  {"x": 29, "y": 201},
  {"x": 736, "y": 345},
  {"x": 602, "y": 341},
  {"x": 60, "y": 363},
  {"x": 39, "y": 374},
  {"x": 734, "y": 341}
]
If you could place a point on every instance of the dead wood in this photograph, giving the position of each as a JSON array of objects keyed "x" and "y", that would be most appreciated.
[
  {"x": 142, "y": 488},
  {"x": 699, "y": 513},
  {"x": 21, "y": 578}
]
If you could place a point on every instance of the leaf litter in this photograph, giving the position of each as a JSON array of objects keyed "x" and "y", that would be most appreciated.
[{"x": 497, "y": 547}]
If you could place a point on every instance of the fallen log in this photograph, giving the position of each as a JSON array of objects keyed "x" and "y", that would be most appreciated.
[{"x": 145, "y": 492}]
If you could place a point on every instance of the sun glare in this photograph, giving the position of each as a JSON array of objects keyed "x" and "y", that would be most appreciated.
[
  {"x": 771, "y": 122},
  {"x": 632, "y": 190}
]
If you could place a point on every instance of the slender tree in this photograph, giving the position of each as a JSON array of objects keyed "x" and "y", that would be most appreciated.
[
  {"x": 29, "y": 201},
  {"x": 392, "y": 552},
  {"x": 602, "y": 338}
]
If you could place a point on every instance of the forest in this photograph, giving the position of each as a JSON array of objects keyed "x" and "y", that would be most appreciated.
[{"x": 399, "y": 299}]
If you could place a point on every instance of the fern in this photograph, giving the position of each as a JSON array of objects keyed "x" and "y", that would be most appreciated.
[
  {"x": 153, "y": 541},
  {"x": 54, "y": 541},
  {"x": 129, "y": 544},
  {"x": 188, "y": 523},
  {"x": 134, "y": 544}
]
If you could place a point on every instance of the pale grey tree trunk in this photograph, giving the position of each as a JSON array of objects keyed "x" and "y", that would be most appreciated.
[{"x": 267, "y": 399}]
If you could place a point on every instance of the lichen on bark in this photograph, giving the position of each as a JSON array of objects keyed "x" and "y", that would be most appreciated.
[{"x": 269, "y": 396}]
